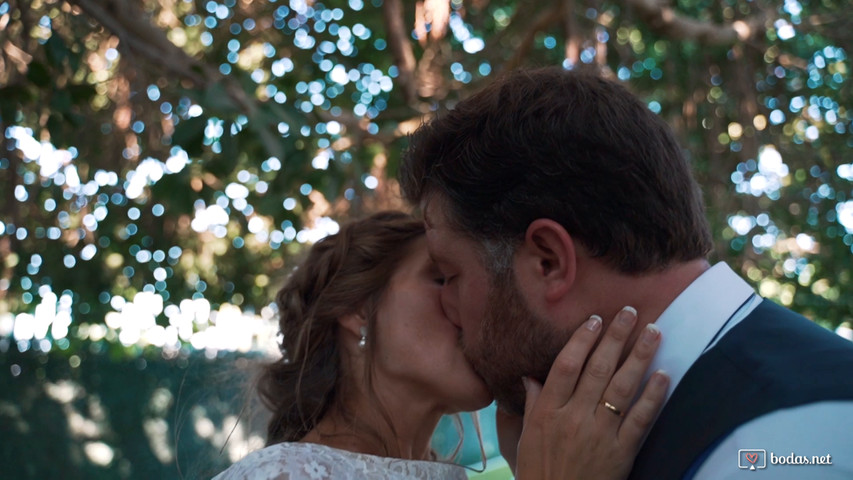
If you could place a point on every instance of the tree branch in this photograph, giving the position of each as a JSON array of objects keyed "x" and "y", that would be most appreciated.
[
  {"x": 127, "y": 21},
  {"x": 401, "y": 48},
  {"x": 570, "y": 29},
  {"x": 544, "y": 20},
  {"x": 664, "y": 20}
]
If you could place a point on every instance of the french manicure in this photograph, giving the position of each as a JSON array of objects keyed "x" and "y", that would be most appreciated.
[
  {"x": 651, "y": 333},
  {"x": 629, "y": 318},
  {"x": 594, "y": 323},
  {"x": 660, "y": 378}
]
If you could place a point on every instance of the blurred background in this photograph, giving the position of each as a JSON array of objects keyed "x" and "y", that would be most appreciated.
[{"x": 164, "y": 162}]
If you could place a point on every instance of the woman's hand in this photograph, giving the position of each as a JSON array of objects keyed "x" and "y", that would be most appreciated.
[{"x": 581, "y": 424}]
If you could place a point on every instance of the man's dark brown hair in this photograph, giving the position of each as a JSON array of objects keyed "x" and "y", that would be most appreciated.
[{"x": 570, "y": 146}]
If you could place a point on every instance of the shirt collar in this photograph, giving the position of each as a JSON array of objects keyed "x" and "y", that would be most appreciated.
[{"x": 691, "y": 321}]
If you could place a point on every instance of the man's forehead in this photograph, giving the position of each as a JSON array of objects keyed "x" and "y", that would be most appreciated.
[
  {"x": 445, "y": 243},
  {"x": 433, "y": 212},
  {"x": 441, "y": 233},
  {"x": 434, "y": 223}
]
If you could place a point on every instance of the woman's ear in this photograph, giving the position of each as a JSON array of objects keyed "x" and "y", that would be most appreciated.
[
  {"x": 356, "y": 325},
  {"x": 548, "y": 259}
]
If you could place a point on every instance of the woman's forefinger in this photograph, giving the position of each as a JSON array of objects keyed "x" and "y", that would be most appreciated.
[{"x": 567, "y": 368}]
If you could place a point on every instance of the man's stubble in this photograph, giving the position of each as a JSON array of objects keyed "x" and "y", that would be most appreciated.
[{"x": 512, "y": 342}]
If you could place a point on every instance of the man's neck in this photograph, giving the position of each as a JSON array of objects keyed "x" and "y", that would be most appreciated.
[{"x": 608, "y": 292}]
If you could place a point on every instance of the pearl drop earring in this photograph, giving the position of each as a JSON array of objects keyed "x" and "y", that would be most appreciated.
[{"x": 362, "y": 342}]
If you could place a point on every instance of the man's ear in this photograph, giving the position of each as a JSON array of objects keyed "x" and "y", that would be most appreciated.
[{"x": 548, "y": 257}]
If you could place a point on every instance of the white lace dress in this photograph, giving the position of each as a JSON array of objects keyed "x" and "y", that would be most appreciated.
[{"x": 309, "y": 461}]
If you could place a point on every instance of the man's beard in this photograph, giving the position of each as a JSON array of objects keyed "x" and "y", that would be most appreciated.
[{"x": 512, "y": 342}]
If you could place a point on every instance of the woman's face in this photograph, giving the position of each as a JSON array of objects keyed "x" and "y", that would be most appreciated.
[{"x": 417, "y": 346}]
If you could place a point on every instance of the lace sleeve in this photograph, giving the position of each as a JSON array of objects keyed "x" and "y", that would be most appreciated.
[{"x": 305, "y": 461}]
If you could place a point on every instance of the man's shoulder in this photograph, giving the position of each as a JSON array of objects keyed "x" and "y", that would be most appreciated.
[
  {"x": 786, "y": 352},
  {"x": 773, "y": 360}
]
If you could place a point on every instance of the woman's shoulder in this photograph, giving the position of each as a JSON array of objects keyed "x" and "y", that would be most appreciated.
[{"x": 310, "y": 461}]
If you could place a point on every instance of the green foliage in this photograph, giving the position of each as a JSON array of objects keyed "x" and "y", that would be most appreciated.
[{"x": 188, "y": 151}]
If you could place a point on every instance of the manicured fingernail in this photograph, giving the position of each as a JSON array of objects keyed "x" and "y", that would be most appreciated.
[
  {"x": 651, "y": 333},
  {"x": 627, "y": 316},
  {"x": 660, "y": 378},
  {"x": 526, "y": 382},
  {"x": 594, "y": 323}
]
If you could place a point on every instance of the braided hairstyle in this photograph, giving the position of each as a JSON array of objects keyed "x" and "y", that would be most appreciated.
[{"x": 343, "y": 274}]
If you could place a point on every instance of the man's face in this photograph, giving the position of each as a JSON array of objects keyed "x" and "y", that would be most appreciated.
[{"x": 501, "y": 337}]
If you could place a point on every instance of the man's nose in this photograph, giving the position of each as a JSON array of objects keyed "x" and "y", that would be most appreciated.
[{"x": 450, "y": 307}]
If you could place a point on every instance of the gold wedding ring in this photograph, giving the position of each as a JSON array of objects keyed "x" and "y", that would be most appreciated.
[{"x": 612, "y": 408}]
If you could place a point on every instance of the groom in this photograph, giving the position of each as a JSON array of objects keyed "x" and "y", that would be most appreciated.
[{"x": 553, "y": 195}]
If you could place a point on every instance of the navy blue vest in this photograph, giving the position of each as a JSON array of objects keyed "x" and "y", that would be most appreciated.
[{"x": 773, "y": 359}]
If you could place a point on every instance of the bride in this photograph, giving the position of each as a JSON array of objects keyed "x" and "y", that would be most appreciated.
[{"x": 370, "y": 363}]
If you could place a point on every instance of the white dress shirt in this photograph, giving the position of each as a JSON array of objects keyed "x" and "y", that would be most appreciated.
[{"x": 689, "y": 325}]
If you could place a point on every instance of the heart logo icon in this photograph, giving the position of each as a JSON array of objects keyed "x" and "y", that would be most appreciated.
[{"x": 751, "y": 457}]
